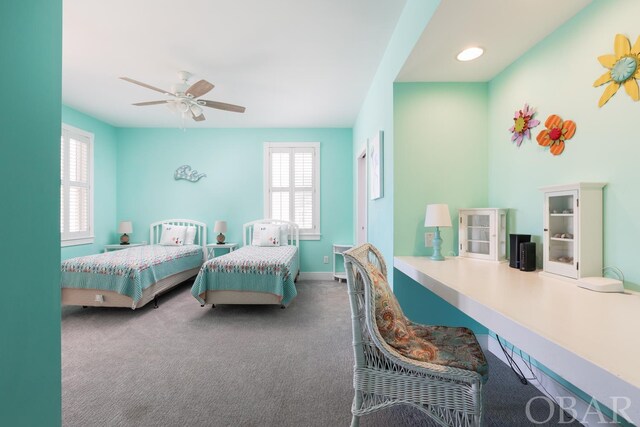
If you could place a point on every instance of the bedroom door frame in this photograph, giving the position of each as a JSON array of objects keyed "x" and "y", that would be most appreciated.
[{"x": 361, "y": 197}]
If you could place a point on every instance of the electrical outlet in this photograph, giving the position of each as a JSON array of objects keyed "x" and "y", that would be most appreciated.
[
  {"x": 428, "y": 240},
  {"x": 326, "y": 260}
]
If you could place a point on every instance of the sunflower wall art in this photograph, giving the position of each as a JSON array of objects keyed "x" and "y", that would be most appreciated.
[
  {"x": 623, "y": 69},
  {"x": 556, "y": 133},
  {"x": 523, "y": 122}
]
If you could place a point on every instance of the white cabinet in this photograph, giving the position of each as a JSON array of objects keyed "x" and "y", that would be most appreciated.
[
  {"x": 572, "y": 219},
  {"x": 482, "y": 233}
]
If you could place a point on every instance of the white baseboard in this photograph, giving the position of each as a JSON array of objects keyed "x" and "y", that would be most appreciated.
[
  {"x": 316, "y": 275},
  {"x": 585, "y": 413}
]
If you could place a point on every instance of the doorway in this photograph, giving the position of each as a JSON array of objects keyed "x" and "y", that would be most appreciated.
[{"x": 361, "y": 201}]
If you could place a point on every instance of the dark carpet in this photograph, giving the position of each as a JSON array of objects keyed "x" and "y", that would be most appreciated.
[{"x": 183, "y": 365}]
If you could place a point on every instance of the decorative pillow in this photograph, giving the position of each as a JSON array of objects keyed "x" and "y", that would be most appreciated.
[
  {"x": 441, "y": 345},
  {"x": 190, "y": 235},
  {"x": 255, "y": 240},
  {"x": 391, "y": 322},
  {"x": 172, "y": 235},
  {"x": 269, "y": 235}
]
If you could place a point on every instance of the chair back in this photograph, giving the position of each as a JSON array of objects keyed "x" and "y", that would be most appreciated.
[{"x": 361, "y": 297}]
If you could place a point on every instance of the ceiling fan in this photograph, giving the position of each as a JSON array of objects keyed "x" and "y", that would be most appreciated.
[{"x": 185, "y": 97}]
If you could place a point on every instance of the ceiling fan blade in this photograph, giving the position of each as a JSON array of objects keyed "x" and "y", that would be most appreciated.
[
  {"x": 199, "y": 118},
  {"x": 142, "y": 104},
  {"x": 199, "y": 88},
  {"x": 222, "y": 106},
  {"x": 135, "y": 82}
]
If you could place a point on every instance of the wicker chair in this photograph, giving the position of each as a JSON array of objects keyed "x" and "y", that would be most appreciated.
[{"x": 383, "y": 377}]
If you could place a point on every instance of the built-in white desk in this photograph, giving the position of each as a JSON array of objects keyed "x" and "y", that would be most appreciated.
[{"x": 590, "y": 339}]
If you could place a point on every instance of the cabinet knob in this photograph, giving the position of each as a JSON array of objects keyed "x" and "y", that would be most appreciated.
[{"x": 546, "y": 229}]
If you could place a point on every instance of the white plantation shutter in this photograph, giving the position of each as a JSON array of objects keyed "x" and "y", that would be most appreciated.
[
  {"x": 303, "y": 187},
  {"x": 76, "y": 179},
  {"x": 291, "y": 184}
]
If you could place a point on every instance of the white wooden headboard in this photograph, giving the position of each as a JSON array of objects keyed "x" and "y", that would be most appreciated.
[
  {"x": 155, "y": 231},
  {"x": 293, "y": 230}
]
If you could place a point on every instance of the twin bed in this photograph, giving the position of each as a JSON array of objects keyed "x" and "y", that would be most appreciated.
[
  {"x": 132, "y": 277},
  {"x": 253, "y": 274}
]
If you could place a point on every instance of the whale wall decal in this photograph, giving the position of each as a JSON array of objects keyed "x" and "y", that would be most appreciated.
[{"x": 185, "y": 172}]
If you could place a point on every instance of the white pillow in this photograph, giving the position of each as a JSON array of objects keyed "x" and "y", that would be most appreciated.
[
  {"x": 284, "y": 235},
  {"x": 190, "y": 235},
  {"x": 172, "y": 235},
  {"x": 269, "y": 235},
  {"x": 255, "y": 239}
]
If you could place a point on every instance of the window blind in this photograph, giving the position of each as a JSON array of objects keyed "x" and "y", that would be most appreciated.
[
  {"x": 75, "y": 185},
  {"x": 292, "y": 185}
]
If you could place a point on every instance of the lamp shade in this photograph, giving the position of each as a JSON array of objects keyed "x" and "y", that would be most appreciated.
[
  {"x": 437, "y": 216},
  {"x": 125, "y": 227},
  {"x": 220, "y": 227}
]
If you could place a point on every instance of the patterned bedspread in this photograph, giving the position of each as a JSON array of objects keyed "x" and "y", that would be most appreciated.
[
  {"x": 129, "y": 271},
  {"x": 251, "y": 268}
]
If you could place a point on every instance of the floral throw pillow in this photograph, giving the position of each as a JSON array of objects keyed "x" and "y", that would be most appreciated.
[
  {"x": 172, "y": 235},
  {"x": 269, "y": 235}
]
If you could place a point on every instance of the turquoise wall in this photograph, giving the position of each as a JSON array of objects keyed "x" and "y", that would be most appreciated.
[
  {"x": 104, "y": 182},
  {"x": 30, "y": 82},
  {"x": 233, "y": 188},
  {"x": 556, "y": 77},
  {"x": 440, "y": 157},
  {"x": 376, "y": 114}
]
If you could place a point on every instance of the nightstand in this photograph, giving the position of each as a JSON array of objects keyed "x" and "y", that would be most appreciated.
[
  {"x": 117, "y": 247},
  {"x": 211, "y": 248},
  {"x": 339, "y": 274}
]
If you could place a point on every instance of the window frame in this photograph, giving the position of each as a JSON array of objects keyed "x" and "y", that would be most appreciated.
[
  {"x": 79, "y": 238},
  {"x": 305, "y": 234}
]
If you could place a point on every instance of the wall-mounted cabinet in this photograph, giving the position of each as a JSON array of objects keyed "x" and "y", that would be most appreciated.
[
  {"x": 482, "y": 233},
  {"x": 573, "y": 230}
]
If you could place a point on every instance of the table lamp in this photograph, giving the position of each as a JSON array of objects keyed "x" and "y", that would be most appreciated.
[
  {"x": 220, "y": 227},
  {"x": 437, "y": 216},
  {"x": 124, "y": 228}
]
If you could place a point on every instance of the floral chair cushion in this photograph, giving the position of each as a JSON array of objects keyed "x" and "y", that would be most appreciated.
[{"x": 440, "y": 345}]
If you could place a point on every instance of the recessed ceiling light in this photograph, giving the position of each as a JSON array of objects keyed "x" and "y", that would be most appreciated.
[{"x": 470, "y": 54}]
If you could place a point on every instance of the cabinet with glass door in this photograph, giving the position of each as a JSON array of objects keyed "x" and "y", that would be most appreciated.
[
  {"x": 482, "y": 233},
  {"x": 573, "y": 230}
]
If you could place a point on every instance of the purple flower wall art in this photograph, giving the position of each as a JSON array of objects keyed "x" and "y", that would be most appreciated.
[{"x": 523, "y": 122}]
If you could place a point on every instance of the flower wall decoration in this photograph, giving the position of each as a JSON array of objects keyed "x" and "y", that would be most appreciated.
[
  {"x": 523, "y": 122},
  {"x": 556, "y": 133},
  {"x": 623, "y": 69}
]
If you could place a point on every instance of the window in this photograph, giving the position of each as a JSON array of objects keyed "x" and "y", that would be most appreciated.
[
  {"x": 76, "y": 186},
  {"x": 292, "y": 185}
]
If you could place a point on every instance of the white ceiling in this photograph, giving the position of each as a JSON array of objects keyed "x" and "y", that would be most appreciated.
[
  {"x": 504, "y": 28},
  {"x": 291, "y": 63}
]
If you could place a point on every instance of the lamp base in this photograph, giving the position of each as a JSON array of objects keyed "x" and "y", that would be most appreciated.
[
  {"x": 220, "y": 239},
  {"x": 124, "y": 239},
  {"x": 437, "y": 246}
]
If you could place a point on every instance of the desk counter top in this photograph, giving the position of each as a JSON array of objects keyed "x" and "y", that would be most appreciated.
[{"x": 591, "y": 339}]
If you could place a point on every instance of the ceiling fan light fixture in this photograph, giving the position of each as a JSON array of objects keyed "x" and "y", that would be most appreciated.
[
  {"x": 184, "y": 98},
  {"x": 182, "y": 106},
  {"x": 469, "y": 54}
]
